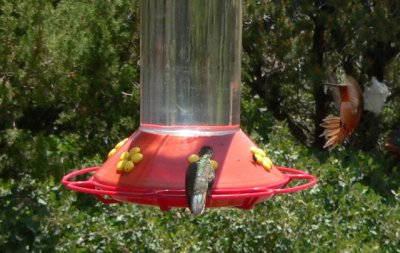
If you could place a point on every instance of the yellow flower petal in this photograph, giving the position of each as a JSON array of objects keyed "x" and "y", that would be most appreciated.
[
  {"x": 259, "y": 151},
  {"x": 112, "y": 152},
  {"x": 137, "y": 157},
  {"x": 267, "y": 163},
  {"x": 193, "y": 158},
  {"x": 214, "y": 164},
  {"x": 134, "y": 150},
  {"x": 124, "y": 156},
  {"x": 121, "y": 165},
  {"x": 121, "y": 143},
  {"x": 258, "y": 158},
  {"x": 129, "y": 165}
]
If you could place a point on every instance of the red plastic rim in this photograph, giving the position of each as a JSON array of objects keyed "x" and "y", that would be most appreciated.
[{"x": 165, "y": 198}]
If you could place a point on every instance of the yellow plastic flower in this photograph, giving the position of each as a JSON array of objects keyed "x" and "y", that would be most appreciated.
[
  {"x": 121, "y": 165},
  {"x": 118, "y": 146},
  {"x": 128, "y": 160},
  {"x": 129, "y": 165},
  {"x": 267, "y": 163},
  {"x": 258, "y": 158},
  {"x": 121, "y": 143},
  {"x": 136, "y": 157},
  {"x": 112, "y": 152},
  {"x": 134, "y": 150},
  {"x": 124, "y": 156},
  {"x": 261, "y": 158},
  {"x": 193, "y": 158},
  {"x": 258, "y": 151},
  {"x": 214, "y": 164}
]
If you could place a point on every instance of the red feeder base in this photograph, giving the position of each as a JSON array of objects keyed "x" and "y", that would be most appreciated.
[{"x": 159, "y": 179}]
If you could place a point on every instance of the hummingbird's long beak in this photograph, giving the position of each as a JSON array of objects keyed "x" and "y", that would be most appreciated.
[{"x": 337, "y": 84}]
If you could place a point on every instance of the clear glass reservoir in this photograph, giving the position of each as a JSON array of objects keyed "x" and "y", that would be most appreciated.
[{"x": 190, "y": 62}]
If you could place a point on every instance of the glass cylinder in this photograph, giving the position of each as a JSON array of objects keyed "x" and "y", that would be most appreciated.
[{"x": 190, "y": 62}]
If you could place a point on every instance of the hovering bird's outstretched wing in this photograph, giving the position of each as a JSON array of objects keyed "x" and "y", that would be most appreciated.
[
  {"x": 355, "y": 93},
  {"x": 334, "y": 89}
]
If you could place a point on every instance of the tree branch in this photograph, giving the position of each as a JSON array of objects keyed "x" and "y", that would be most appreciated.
[{"x": 317, "y": 54}]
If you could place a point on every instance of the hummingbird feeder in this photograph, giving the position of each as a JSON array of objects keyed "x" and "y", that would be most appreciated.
[{"x": 190, "y": 98}]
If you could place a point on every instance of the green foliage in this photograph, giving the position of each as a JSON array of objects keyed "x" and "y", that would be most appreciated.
[
  {"x": 68, "y": 76},
  {"x": 68, "y": 92}
]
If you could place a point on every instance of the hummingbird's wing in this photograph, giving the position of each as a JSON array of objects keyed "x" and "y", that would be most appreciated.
[
  {"x": 197, "y": 185},
  {"x": 210, "y": 171},
  {"x": 336, "y": 96},
  {"x": 210, "y": 175},
  {"x": 189, "y": 181},
  {"x": 354, "y": 92},
  {"x": 334, "y": 89}
]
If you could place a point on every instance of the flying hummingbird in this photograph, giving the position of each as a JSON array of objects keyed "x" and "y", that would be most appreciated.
[
  {"x": 348, "y": 99},
  {"x": 199, "y": 180}
]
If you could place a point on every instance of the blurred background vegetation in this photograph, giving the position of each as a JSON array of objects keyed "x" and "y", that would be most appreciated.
[{"x": 69, "y": 90}]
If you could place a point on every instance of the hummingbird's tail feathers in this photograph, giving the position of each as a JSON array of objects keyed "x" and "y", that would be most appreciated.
[
  {"x": 332, "y": 132},
  {"x": 198, "y": 203}
]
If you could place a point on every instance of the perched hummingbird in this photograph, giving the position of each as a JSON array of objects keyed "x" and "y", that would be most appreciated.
[
  {"x": 348, "y": 99},
  {"x": 199, "y": 180}
]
